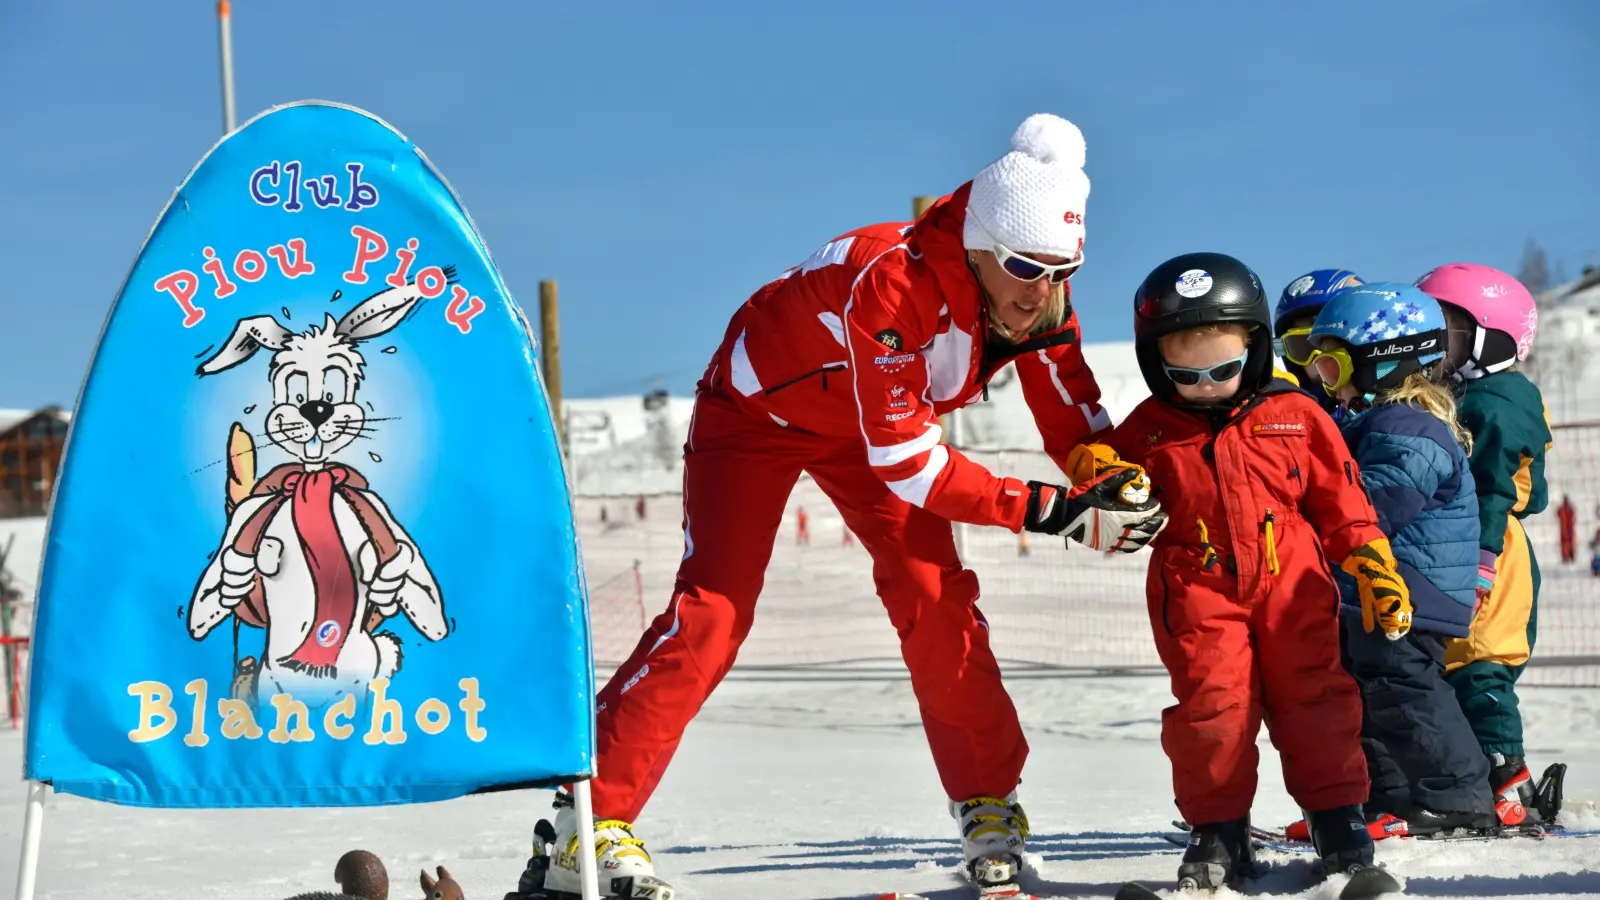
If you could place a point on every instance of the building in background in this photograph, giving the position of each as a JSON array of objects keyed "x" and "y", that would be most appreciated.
[
  {"x": 1561, "y": 363},
  {"x": 31, "y": 442}
]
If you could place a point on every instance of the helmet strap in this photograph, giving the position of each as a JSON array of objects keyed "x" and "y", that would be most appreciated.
[{"x": 1351, "y": 409}]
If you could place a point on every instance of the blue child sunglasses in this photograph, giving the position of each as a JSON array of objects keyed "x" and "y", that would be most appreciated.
[{"x": 1217, "y": 374}]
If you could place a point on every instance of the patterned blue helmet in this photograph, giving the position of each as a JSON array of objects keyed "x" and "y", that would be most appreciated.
[
  {"x": 1387, "y": 331},
  {"x": 1310, "y": 290}
]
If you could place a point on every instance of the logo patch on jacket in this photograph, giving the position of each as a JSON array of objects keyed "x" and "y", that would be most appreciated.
[
  {"x": 893, "y": 364},
  {"x": 897, "y": 397},
  {"x": 1283, "y": 428},
  {"x": 890, "y": 338}
]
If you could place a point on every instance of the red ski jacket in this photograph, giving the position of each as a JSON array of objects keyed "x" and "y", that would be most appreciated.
[
  {"x": 1239, "y": 484},
  {"x": 883, "y": 330}
]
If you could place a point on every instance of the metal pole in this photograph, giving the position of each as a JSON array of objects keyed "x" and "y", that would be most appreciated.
[
  {"x": 225, "y": 39},
  {"x": 581, "y": 799},
  {"x": 32, "y": 824},
  {"x": 550, "y": 354}
]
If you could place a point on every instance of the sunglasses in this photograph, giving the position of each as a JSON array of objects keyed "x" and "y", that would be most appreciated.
[
  {"x": 1295, "y": 345},
  {"x": 1217, "y": 374},
  {"x": 1023, "y": 268}
]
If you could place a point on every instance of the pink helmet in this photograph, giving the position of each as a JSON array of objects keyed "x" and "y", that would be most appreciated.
[{"x": 1500, "y": 307}]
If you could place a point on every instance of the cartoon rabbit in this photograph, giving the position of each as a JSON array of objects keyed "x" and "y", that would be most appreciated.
[{"x": 312, "y": 553}]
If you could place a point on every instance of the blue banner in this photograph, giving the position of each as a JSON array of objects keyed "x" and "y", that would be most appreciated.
[{"x": 312, "y": 543}]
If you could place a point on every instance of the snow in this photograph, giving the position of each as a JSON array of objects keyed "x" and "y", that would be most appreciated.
[
  {"x": 806, "y": 776},
  {"x": 809, "y": 791}
]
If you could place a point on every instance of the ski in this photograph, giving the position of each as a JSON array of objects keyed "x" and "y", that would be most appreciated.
[
  {"x": 1133, "y": 890},
  {"x": 995, "y": 892},
  {"x": 1283, "y": 845},
  {"x": 1368, "y": 883},
  {"x": 1004, "y": 892}
]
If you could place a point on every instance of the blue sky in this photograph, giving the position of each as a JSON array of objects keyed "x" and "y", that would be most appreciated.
[{"x": 661, "y": 161}]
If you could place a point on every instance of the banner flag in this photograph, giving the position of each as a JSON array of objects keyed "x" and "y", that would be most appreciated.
[{"x": 312, "y": 543}]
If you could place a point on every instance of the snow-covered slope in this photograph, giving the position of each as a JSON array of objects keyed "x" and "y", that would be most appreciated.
[
  {"x": 807, "y": 792},
  {"x": 1563, "y": 359}
]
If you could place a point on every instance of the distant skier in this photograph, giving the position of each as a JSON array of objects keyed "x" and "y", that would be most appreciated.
[
  {"x": 840, "y": 367},
  {"x": 1567, "y": 516}
]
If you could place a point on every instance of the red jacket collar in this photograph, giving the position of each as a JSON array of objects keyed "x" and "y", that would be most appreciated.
[{"x": 937, "y": 240}]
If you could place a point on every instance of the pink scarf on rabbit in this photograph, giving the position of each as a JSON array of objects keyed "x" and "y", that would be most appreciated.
[{"x": 331, "y": 572}]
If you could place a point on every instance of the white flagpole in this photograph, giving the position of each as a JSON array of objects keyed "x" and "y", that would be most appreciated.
[
  {"x": 225, "y": 39},
  {"x": 32, "y": 824},
  {"x": 585, "y": 810}
]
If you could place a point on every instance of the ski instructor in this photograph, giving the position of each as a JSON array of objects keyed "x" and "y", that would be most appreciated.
[{"x": 840, "y": 367}]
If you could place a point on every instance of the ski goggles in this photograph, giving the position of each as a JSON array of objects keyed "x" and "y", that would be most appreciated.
[
  {"x": 1334, "y": 367},
  {"x": 1295, "y": 345},
  {"x": 1217, "y": 374}
]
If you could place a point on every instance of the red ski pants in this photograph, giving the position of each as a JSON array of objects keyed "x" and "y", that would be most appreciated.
[
  {"x": 1235, "y": 660},
  {"x": 738, "y": 472}
]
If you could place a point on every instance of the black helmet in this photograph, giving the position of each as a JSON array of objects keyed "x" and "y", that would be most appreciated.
[{"x": 1201, "y": 289}]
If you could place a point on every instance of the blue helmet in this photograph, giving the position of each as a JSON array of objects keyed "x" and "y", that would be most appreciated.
[
  {"x": 1310, "y": 290},
  {"x": 1386, "y": 330}
]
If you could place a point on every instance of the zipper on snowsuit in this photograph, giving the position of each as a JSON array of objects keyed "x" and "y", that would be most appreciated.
[
  {"x": 1272, "y": 545},
  {"x": 1208, "y": 553},
  {"x": 830, "y": 367}
]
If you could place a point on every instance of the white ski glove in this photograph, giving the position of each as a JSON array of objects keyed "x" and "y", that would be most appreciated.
[{"x": 1108, "y": 512}]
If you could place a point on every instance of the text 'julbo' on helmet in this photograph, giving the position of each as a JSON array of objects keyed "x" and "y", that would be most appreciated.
[{"x": 1377, "y": 335}]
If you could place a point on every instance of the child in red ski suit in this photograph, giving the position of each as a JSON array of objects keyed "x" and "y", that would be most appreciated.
[{"x": 1262, "y": 497}]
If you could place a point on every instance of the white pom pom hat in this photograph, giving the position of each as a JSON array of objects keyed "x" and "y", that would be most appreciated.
[{"x": 1032, "y": 199}]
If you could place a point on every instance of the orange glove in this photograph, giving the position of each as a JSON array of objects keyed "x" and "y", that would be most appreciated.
[
  {"x": 1087, "y": 462},
  {"x": 1385, "y": 599}
]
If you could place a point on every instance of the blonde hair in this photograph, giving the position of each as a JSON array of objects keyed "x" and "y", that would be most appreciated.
[
  {"x": 1422, "y": 392},
  {"x": 1167, "y": 343},
  {"x": 1053, "y": 316}
]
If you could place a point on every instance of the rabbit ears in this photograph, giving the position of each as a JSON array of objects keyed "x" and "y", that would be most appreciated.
[
  {"x": 368, "y": 319},
  {"x": 429, "y": 882}
]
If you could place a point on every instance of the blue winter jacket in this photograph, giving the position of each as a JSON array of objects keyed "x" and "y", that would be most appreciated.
[{"x": 1427, "y": 503}]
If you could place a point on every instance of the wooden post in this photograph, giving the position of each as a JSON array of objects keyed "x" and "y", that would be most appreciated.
[
  {"x": 919, "y": 205},
  {"x": 550, "y": 354}
]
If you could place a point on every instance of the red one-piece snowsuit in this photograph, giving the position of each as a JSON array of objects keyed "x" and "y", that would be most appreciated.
[
  {"x": 1242, "y": 599},
  {"x": 840, "y": 368}
]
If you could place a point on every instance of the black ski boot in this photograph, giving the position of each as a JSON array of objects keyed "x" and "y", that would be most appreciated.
[
  {"x": 1219, "y": 855},
  {"x": 1345, "y": 848},
  {"x": 531, "y": 885},
  {"x": 1341, "y": 838},
  {"x": 1422, "y": 821}
]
